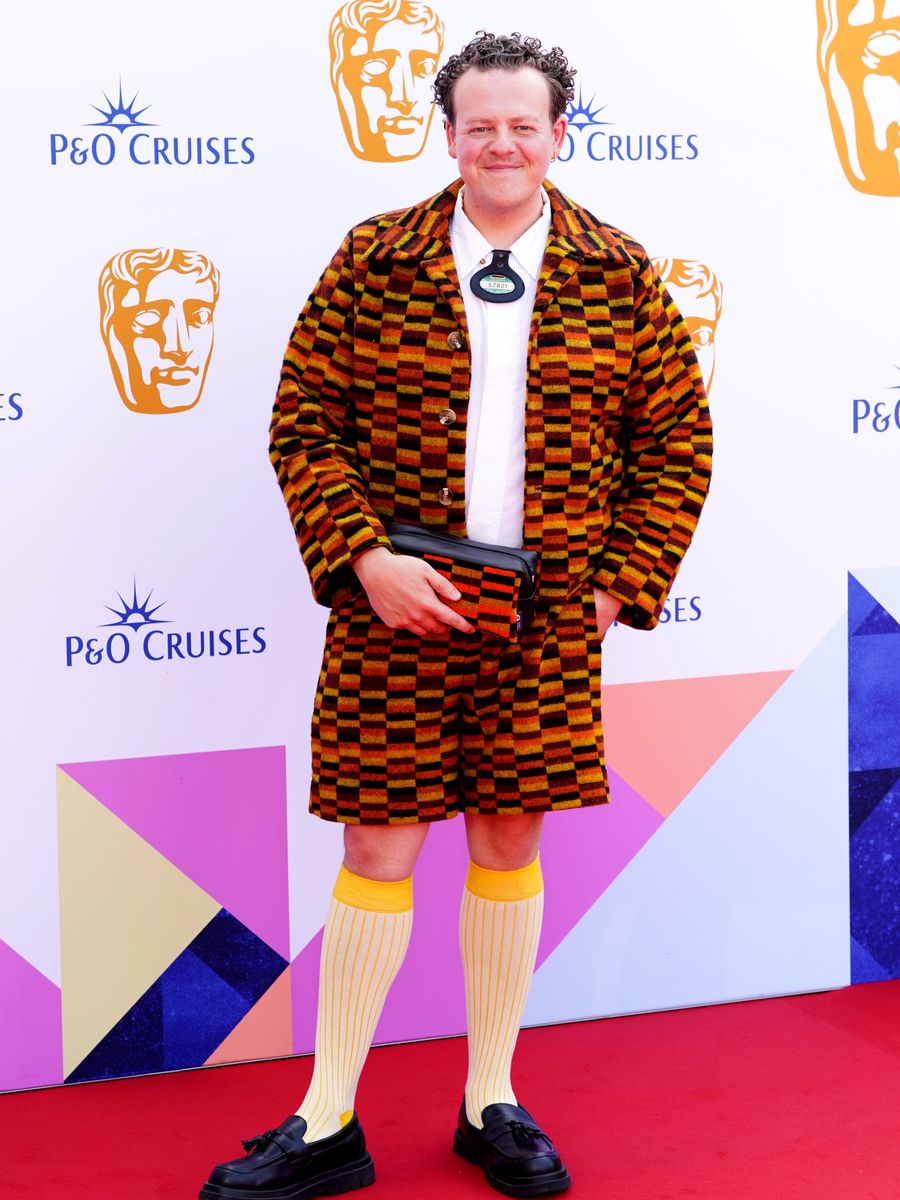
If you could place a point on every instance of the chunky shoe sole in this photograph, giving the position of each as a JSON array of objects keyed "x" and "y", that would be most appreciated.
[
  {"x": 330, "y": 1183},
  {"x": 557, "y": 1181}
]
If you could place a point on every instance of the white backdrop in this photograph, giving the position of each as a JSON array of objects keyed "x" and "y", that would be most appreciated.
[{"x": 742, "y": 888}]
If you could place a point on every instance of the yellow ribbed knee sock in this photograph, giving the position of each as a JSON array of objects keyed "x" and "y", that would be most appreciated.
[
  {"x": 499, "y": 927},
  {"x": 365, "y": 939}
]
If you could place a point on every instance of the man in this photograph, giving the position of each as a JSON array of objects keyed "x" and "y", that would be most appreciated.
[
  {"x": 156, "y": 318},
  {"x": 571, "y": 421},
  {"x": 384, "y": 56}
]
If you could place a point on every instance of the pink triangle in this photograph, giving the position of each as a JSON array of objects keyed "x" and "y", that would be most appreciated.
[
  {"x": 30, "y": 1025},
  {"x": 265, "y": 1032},
  {"x": 220, "y": 817},
  {"x": 582, "y": 853},
  {"x": 663, "y": 737}
]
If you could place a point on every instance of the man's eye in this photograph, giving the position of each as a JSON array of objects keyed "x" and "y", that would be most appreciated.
[
  {"x": 201, "y": 316},
  {"x": 702, "y": 337},
  {"x": 426, "y": 68},
  {"x": 145, "y": 318}
]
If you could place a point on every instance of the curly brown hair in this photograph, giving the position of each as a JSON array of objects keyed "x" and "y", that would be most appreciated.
[{"x": 509, "y": 51}]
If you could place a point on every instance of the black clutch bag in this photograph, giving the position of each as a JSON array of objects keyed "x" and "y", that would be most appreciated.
[{"x": 497, "y": 584}]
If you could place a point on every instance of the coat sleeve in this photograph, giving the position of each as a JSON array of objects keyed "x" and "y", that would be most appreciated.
[
  {"x": 313, "y": 442},
  {"x": 668, "y": 459}
]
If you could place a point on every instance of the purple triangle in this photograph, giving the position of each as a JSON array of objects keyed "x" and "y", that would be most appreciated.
[
  {"x": 30, "y": 1025},
  {"x": 220, "y": 817},
  {"x": 583, "y": 851}
]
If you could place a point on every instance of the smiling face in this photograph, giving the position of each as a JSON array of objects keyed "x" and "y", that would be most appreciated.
[
  {"x": 503, "y": 139},
  {"x": 859, "y": 65},
  {"x": 161, "y": 340}
]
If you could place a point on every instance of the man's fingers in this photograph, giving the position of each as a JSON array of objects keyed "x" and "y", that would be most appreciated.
[
  {"x": 448, "y": 617},
  {"x": 442, "y": 587}
]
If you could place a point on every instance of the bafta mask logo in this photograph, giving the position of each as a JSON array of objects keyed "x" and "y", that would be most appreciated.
[
  {"x": 698, "y": 296},
  {"x": 156, "y": 317},
  {"x": 384, "y": 57},
  {"x": 859, "y": 65}
]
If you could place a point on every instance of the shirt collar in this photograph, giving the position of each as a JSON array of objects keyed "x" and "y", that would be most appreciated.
[{"x": 470, "y": 246}]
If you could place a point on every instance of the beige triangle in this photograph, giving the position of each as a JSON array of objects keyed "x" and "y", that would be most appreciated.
[{"x": 125, "y": 915}]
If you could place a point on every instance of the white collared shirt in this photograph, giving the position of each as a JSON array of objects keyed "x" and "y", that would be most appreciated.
[{"x": 498, "y": 343}]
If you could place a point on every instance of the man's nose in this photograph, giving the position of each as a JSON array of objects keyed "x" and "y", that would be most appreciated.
[{"x": 503, "y": 142}]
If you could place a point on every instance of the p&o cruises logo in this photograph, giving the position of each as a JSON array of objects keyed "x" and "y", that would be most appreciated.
[
  {"x": 873, "y": 415},
  {"x": 604, "y": 141},
  {"x": 124, "y": 135},
  {"x": 137, "y": 632}
]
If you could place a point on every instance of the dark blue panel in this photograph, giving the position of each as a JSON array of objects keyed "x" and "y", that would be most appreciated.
[
  {"x": 199, "y": 1011},
  {"x": 867, "y": 789},
  {"x": 236, "y": 954},
  {"x": 875, "y": 883},
  {"x": 863, "y": 967},
  {"x": 134, "y": 1046},
  {"x": 860, "y": 603},
  {"x": 879, "y": 620},
  {"x": 192, "y": 1007},
  {"x": 874, "y": 702}
]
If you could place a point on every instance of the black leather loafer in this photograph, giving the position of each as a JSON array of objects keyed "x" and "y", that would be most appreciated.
[
  {"x": 279, "y": 1165},
  {"x": 515, "y": 1155}
]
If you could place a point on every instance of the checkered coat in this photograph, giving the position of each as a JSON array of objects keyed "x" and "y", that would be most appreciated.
[{"x": 617, "y": 431}]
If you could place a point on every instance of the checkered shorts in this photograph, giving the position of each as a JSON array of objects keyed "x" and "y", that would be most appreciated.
[{"x": 409, "y": 728}]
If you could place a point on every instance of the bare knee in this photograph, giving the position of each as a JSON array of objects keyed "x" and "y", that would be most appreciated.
[
  {"x": 504, "y": 843},
  {"x": 384, "y": 852}
]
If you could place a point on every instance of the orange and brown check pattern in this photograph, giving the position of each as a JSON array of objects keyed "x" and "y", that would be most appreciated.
[
  {"x": 409, "y": 728},
  {"x": 618, "y": 457}
]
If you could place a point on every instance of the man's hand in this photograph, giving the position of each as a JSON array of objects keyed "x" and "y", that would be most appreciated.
[
  {"x": 607, "y": 609},
  {"x": 407, "y": 593}
]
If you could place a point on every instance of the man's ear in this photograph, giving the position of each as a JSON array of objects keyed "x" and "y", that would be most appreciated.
[{"x": 451, "y": 138}]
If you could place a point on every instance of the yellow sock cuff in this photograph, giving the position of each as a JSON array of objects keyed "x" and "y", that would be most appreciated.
[
  {"x": 522, "y": 884},
  {"x": 373, "y": 895}
]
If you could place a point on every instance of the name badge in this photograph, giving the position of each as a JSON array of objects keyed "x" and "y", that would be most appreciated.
[{"x": 498, "y": 283}]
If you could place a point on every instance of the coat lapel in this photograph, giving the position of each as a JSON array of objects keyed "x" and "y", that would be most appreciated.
[
  {"x": 441, "y": 270},
  {"x": 575, "y": 237},
  {"x": 423, "y": 233}
]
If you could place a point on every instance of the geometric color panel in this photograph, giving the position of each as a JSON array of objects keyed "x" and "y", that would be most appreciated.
[
  {"x": 874, "y": 661},
  {"x": 663, "y": 737},
  {"x": 193, "y": 1006},
  {"x": 863, "y": 967},
  {"x": 742, "y": 891},
  {"x": 875, "y": 884},
  {"x": 582, "y": 851},
  {"x": 30, "y": 1025},
  {"x": 219, "y": 816},
  {"x": 874, "y": 760},
  {"x": 867, "y": 790},
  {"x": 265, "y": 1032},
  {"x": 125, "y": 914}
]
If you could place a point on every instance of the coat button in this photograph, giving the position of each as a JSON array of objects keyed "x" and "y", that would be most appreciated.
[
  {"x": 446, "y": 416},
  {"x": 455, "y": 340},
  {"x": 446, "y": 497}
]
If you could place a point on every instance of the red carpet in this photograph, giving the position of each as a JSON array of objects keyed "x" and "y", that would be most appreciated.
[{"x": 788, "y": 1099}]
